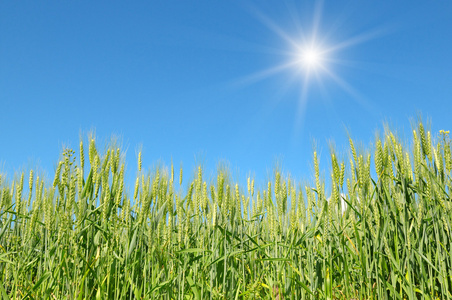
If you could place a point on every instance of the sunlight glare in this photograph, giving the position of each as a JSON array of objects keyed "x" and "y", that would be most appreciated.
[
  {"x": 310, "y": 58},
  {"x": 311, "y": 55}
]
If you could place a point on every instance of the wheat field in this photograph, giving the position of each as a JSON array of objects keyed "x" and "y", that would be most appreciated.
[{"x": 377, "y": 226}]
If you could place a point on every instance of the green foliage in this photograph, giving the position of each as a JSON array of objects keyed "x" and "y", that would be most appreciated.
[{"x": 381, "y": 235}]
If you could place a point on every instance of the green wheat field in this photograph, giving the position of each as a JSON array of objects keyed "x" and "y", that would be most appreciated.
[{"x": 376, "y": 226}]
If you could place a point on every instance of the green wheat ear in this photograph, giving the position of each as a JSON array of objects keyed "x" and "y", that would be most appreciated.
[
  {"x": 82, "y": 156},
  {"x": 19, "y": 190},
  {"x": 172, "y": 172},
  {"x": 137, "y": 185},
  {"x": 56, "y": 179},
  {"x": 180, "y": 176},
  {"x": 379, "y": 158},
  {"x": 317, "y": 174},
  {"x": 30, "y": 187},
  {"x": 352, "y": 148},
  {"x": 139, "y": 162},
  {"x": 92, "y": 151}
]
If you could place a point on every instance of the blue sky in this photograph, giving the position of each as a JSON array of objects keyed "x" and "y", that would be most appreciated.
[{"x": 190, "y": 81}]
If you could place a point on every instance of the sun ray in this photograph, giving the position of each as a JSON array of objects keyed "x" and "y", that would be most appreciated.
[
  {"x": 264, "y": 74},
  {"x": 317, "y": 19},
  {"x": 275, "y": 28},
  {"x": 300, "y": 111},
  {"x": 358, "y": 39},
  {"x": 356, "y": 96}
]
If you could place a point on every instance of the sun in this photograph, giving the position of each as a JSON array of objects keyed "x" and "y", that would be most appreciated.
[{"x": 310, "y": 58}]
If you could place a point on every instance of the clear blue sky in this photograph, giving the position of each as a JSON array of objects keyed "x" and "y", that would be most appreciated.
[{"x": 190, "y": 80}]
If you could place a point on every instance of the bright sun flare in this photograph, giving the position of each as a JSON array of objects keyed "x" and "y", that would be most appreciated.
[
  {"x": 310, "y": 58},
  {"x": 309, "y": 53}
]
